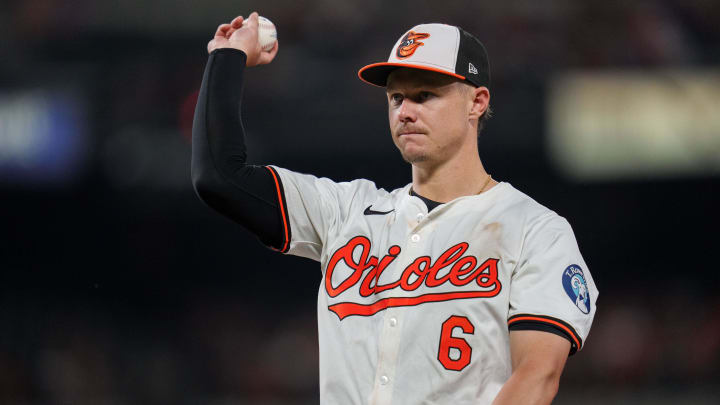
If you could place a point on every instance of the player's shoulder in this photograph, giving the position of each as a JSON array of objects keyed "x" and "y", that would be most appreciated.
[
  {"x": 520, "y": 205},
  {"x": 364, "y": 189},
  {"x": 344, "y": 186}
]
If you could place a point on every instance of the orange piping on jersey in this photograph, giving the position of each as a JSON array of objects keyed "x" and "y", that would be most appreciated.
[
  {"x": 550, "y": 321},
  {"x": 410, "y": 65},
  {"x": 283, "y": 213}
]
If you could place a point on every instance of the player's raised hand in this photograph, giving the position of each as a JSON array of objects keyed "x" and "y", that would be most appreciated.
[{"x": 245, "y": 38}]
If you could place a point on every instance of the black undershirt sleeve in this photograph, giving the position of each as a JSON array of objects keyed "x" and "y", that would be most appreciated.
[{"x": 247, "y": 194}]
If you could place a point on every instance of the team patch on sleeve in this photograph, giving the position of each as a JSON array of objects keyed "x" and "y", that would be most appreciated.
[
  {"x": 575, "y": 285},
  {"x": 546, "y": 324},
  {"x": 282, "y": 205}
]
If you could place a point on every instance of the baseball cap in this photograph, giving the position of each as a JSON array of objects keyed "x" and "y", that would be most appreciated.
[{"x": 439, "y": 48}]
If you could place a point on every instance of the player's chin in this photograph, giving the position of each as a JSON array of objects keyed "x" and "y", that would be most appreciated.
[
  {"x": 415, "y": 159},
  {"x": 413, "y": 155}
]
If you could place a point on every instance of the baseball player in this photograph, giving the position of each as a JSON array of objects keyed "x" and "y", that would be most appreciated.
[{"x": 455, "y": 289}]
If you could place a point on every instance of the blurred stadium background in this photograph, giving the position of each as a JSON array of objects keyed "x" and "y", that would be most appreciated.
[{"x": 118, "y": 286}]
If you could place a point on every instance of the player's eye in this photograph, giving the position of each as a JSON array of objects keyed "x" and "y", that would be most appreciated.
[
  {"x": 396, "y": 98},
  {"x": 424, "y": 95}
]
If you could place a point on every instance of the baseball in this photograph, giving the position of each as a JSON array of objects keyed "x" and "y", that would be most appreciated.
[{"x": 267, "y": 34}]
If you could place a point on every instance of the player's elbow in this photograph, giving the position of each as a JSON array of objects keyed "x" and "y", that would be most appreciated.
[
  {"x": 207, "y": 185},
  {"x": 551, "y": 385},
  {"x": 547, "y": 381},
  {"x": 542, "y": 380}
]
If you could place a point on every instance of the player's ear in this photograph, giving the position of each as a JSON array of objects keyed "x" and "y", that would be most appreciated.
[{"x": 480, "y": 99}]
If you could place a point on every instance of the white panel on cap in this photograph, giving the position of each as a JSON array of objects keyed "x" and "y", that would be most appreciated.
[{"x": 438, "y": 51}]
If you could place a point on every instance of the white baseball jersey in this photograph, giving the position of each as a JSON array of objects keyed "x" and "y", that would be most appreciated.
[{"x": 414, "y": 307}]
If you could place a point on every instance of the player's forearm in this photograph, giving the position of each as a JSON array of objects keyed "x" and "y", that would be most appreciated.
[
  {"x": 220, "y": 175},
  {"x": 529, "y": 386},
  {"x": 218, "y": 134}
]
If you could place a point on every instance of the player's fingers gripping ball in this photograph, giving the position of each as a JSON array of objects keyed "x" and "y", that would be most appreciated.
[{"x": 267, "y": 34}]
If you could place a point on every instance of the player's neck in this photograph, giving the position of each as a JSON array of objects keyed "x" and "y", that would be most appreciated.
[{"x": 451, "y": 179}]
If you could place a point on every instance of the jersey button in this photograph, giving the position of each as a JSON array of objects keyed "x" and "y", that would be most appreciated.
[
  {"x": 384, "y": 379},
  {"x": 393, "y": 322},
  {"x": 420, "y": 216},
  {"x": 415, "y": 238}
]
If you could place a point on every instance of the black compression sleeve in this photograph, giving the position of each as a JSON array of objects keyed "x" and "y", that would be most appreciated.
[{"x": 247, "y": 194}]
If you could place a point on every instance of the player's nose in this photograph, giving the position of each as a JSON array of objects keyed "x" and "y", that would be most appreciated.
[{"x": 407, "y": 111}]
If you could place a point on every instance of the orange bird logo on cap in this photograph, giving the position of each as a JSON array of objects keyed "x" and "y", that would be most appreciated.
[{"x": 410, "y": 43}]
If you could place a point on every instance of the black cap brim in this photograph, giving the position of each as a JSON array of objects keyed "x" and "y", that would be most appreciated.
[{"x": 377, "y": 73}]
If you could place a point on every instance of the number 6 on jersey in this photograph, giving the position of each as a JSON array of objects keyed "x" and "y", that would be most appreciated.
[{"x": 447, "y": 342}]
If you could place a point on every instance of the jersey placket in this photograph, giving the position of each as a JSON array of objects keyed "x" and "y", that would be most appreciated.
[{"x": 411, "y": 213}]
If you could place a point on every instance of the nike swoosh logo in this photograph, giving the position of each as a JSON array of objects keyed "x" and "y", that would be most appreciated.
[{"x": 368, "y": 211}]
